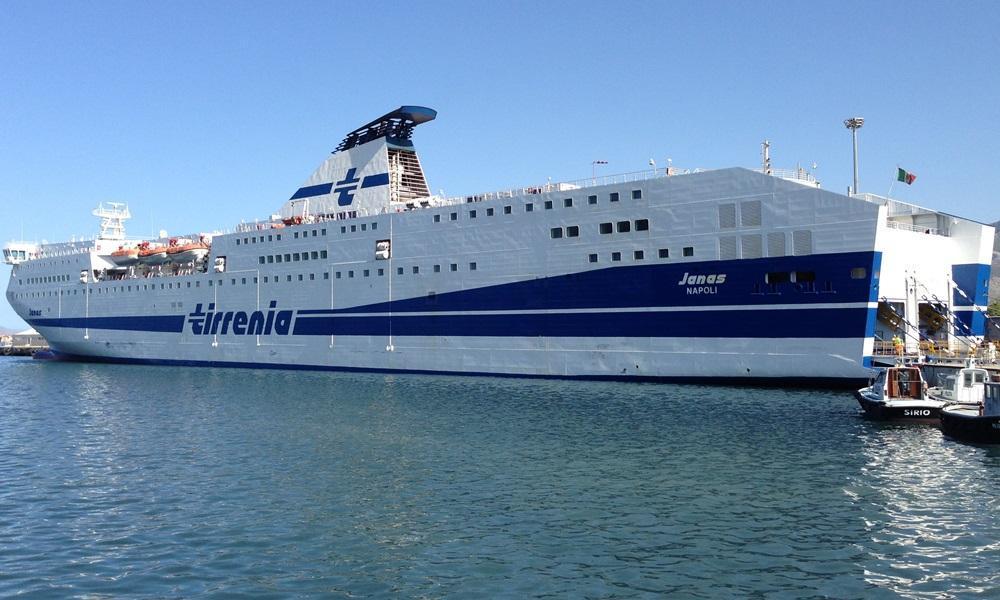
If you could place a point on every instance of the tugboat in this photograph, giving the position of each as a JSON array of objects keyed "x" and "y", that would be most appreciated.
[
  {"x": 974, "y": 423},
  {"x": 964, "y": 386},
  {"x": 899, "y": 393}
]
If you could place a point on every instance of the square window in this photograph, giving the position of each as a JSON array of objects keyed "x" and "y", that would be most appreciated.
[
  {"x": 529, "y": 207},
  {"x": 278, "y": 257},
  {"x": 326, "y": 275},
  {"x": 237, "y": 241},
  {"x": 489, "y": 212},
  {"x": 381, "y": 272},
  {"x": 261, "y": 259},
  {"x": 592, "y": 258},
  {"x": 568, "y": 202},
  {"x": 296, "y": 257},
  {"x": 591, "y": 199},
  {"x": 399, "y": 270},
  {"x": 270, "y": 258},
  {"x": 472, "y": 266},
  {"x": 254, "y": 280},
  {"x": 300, "y": 277},
  {"x": 637, "y": 194},
  {"x": 548, "y": 205},
  {"x": 338, "y": 275},
  {"x": 642, "y": 225},
  {"x": 288, "y": 258},
  {"x": 573, "y": 231},
  {"x": 312, "y": 277},
  {"x": 296, "y": 236},
  {"x": 607, "y": 228},
  {"x": 350, "y": 274},
  {"x": 664, "y": 253},
  {"x": 354, "y": 228},
  {"x": 638, "y": 255},
  {"x": 315, "y": 254},
  {"x": 688, "y": 251},
  {"x": 266, "y": 279},
  {"x": 437, "y": 268},
  {"x": 322, "y": 253},
  {"x": 616, "y": 256},
  {"x": 613, "y": 196},
  {"x": 624, "y": 226},
  {"x": 364, "y": 227},
  {"x": 453, "y": 216},
  {"x": 437, "y": 218},
  {"x": 278, "y": 237},
  {"x": 305, "y": 256},
  {"x": 243, "y": 280},
  {"x": 416, "y": 269},
  {"x": 556, "y": 232},
  {"x": 324, "y": 231},
  {"x": 343, "y": 229},
  {"x": 288, "y": 278},
  {"x": 367, "y": 273},
  {"x": 270, "y": 238},
  {"x": 472, "y": 214},
  {"x": 507, "y": 209},
  {"x": 454, "y": 266},
  {"x": 374, "y": 226}
]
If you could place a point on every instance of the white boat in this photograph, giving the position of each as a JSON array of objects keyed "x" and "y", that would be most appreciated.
[
  {"x": 731, "y": 275},
  {"x": 185, "y": 251},
  {"x": 962, "y": 386},
  {"x": 899, "y": 394},
  {"x": 979, "y": 423}
]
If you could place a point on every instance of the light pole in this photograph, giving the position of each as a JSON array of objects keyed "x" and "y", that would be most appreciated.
[
  {"x": 854, "y": 124},
  {"x": 593, "y": 170}
]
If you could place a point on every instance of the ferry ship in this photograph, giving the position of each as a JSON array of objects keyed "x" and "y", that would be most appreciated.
[{"x": 727, "y": 275}]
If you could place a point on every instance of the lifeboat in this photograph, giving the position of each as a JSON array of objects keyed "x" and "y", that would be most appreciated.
[
  {"x": 124, "y": 257},
  {"x": 185, "y": 251},
  {"x": 153, "y": 255}
]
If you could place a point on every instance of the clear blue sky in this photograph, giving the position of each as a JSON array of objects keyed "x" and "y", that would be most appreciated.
[{"x": 200, "y": 114}]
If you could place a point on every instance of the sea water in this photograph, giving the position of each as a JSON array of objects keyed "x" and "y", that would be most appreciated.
[{"x": 131, "y": 481}]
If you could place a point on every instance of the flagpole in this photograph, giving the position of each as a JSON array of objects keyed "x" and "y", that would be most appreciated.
[{"x": 889, "y": 195}]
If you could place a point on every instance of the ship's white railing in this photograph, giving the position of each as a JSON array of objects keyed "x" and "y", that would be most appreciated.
[
  {"x": 799, "y": 174},
  {"x": 914, "y": 228}
]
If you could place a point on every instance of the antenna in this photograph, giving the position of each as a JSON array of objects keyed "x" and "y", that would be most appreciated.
[
  {"x": 765, "y": 155},
  {"x": 113, "y": 216},
  {"x": 854, "y": 124}
]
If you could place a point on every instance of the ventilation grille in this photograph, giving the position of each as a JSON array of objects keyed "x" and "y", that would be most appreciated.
[
  {"x": 727, "y": 216},
  {"x": 727, "y": 248},
  {"x": 751, "y": 246},
  {"x": 776, "y": 243},
  {"x": 750, "y": 213},
  {"x": 802, "y": 242}
]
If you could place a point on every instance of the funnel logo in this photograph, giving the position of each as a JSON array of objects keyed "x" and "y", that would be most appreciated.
[{"x": 345, "y": 188}]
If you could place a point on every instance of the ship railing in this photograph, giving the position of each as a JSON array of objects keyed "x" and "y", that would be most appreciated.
[
  {"x": 799, "y": 174},
  {"x": 914, "y": 228},
  {"x": 568, "y": 186}
]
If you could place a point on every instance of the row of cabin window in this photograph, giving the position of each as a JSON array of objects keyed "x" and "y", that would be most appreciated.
[
  {"x": 304, "y": 234},
  {"x": 687, "y": 251},
  {"x": 624, "y": 226},
  {"x": 46, "y": 279},
  {"x": 530, "y": 206},
  {"x": 292, "y": 257}
]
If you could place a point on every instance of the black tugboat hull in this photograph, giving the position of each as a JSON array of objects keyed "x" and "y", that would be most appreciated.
[
  {"x": 880, "y": 411},
  {"x": 971, "y": 428}
]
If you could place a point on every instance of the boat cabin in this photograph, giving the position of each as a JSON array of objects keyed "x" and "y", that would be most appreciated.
[
  {"x": 965, "y": 386},
  {"x": 899, "y": 383}
]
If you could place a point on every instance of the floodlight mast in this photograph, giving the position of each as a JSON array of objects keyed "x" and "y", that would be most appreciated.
[{"x": 854, "y": 124}]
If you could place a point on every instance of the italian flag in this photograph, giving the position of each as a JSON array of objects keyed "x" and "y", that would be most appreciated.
[{"x": 905, "y": 176}]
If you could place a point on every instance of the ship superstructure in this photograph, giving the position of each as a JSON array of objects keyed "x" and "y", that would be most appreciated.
[{"x": 661, "y": 274}]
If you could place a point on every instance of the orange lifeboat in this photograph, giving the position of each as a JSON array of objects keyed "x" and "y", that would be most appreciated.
[
  {"x": 124, "y": 257},
  {"x": 187, "y": 251},
  {"x": 152, "y": 255}
]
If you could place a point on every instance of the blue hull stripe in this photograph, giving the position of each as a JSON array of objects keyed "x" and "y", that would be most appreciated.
[
  {"x": 784, "y": 323},
  {"x": 658, "y": 285},
  {"x": 162, "y": 324}
]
